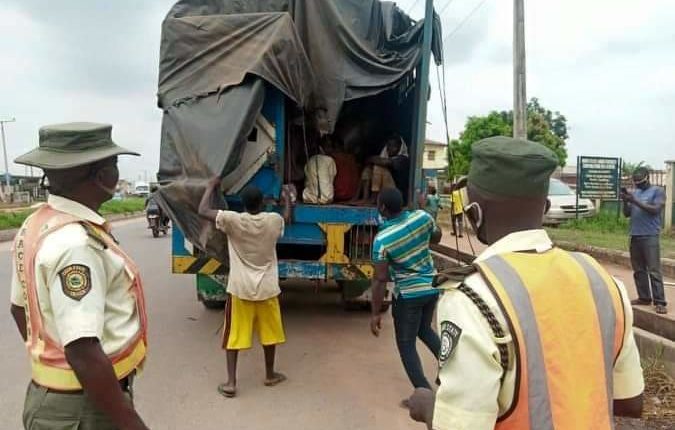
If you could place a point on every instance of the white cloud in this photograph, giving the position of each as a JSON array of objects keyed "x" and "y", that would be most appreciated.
[{"x": 607, "y": 65}]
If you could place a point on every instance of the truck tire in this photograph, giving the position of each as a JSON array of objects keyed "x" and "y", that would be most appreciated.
[{"x": 213, "y": 304}]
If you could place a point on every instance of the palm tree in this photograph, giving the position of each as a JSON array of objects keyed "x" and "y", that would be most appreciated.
[{"x": 627, "y": 168}]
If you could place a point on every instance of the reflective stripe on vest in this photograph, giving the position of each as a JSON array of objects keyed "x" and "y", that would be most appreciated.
[
  {"x": 566, "y": 317},
  {"x": 49, "y": 365}
]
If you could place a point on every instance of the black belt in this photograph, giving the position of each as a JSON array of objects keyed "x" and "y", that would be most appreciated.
[{"x": 125, "y": 384}]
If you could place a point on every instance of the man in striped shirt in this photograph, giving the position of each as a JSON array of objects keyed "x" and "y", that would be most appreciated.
[{"x": 401, "y": 253}]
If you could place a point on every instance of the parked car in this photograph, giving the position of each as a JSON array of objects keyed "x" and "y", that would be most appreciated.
[{"x": 564, "y": 204}]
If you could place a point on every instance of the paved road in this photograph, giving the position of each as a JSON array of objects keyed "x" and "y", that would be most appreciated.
[{"x": 340, "y": 377}]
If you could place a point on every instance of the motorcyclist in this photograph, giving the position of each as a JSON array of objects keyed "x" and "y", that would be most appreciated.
[{"x": 152, "y": 208}]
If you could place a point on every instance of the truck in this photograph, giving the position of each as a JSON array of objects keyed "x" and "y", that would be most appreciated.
[
  {"x": 141, "y": 189},
  {"x": 261, "y": 120}
]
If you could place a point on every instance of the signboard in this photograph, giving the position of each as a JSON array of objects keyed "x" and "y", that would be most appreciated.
[{"x": 598, "y": 177}]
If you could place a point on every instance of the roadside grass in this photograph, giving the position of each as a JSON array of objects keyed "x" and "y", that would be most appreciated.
[
  {"x": 604, "y": 230},
  {"x": 129, "y": 205},
  {"x": 659, "y": 390},
  {"x": 14, "y": 219}
]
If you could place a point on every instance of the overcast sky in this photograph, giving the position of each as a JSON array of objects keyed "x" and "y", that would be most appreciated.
[{"x": 607, "y": 65}]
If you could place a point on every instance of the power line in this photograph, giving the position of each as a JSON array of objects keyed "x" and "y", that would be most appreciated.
[
  {"x": 412, "y": 6},
  {"x": 464, "y": 21},
  {"x": 445, "y": 7}
]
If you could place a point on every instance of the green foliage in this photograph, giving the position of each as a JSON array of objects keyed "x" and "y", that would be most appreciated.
[
  {"x": 627, "y": 168},
  {"x": 129, "y": 205},
  {"x": 604, "y": 222},
  {"x": 543, "y": 126},
  {"x": 9, "y": 220}
]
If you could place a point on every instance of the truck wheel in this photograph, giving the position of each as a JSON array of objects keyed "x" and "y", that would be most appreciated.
[{"x": 213, "y": 304}]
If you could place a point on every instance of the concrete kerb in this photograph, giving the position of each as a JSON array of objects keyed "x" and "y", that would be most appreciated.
[
  {"x": 621, "y": 258},
  {"x": 8, "y": 235},
  {"x": 656, "y": 347}
]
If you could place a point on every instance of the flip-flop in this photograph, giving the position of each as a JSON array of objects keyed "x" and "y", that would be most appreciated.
[
  {"x": 278, "y": 379},
  {"x": 226, "y": 391}
]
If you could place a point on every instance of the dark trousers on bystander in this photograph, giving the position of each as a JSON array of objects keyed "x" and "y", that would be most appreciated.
[
  {"x": 412, "y": 319},
  {"x": 645, "y": 257}
]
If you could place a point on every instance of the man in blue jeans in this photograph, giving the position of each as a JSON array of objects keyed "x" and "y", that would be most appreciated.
[
  {"x": 644, "y": 208},
  {"x": 401, "y": 253}
]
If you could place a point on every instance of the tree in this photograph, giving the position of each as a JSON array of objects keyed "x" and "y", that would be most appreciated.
[
  {"x": 543, "y": 126},
  {"x": 627, "y": 168}
]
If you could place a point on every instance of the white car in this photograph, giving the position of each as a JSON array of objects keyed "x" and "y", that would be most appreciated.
[{"x": 564, "y": 204}]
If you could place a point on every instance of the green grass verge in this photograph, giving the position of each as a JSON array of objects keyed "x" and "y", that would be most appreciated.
[
  {"x": 130, "y": 205},
  {"x": 9, "y": 220},
  {"x": 604, "y": 231}
]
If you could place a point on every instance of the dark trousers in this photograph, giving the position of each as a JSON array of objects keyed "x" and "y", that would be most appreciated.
[
  {"x": 645, "y": 257},
  {"x": 412, "y": 319}
]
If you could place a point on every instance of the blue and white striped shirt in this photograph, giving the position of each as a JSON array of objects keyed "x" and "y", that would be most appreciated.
[{"x": 403, "y": 243}]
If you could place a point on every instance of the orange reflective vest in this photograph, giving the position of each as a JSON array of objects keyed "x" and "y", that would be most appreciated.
[
  {"x": 49, "y": 365},
  {"x": 566, "y": 318}
]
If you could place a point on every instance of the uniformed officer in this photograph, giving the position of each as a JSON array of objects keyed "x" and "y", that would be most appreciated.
[
  {"x": 77, "y": 297},
  {"x": 533, "y": 337}
]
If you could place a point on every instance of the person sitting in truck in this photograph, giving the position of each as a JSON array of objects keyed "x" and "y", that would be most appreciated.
[
  {"x": 388, "y": 170},
  {"x": 320, "y": 172},
  {"x": 348, "y": 175},
  {"x": 253, "y": 282}
]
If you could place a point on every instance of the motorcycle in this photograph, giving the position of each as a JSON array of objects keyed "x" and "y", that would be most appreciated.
[{"x": 156, "y": 222}]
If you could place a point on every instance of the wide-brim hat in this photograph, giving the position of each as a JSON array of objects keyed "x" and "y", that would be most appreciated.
[{"x": 64, "y": 146}]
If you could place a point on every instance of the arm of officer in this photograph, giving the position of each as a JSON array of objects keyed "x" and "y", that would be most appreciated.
[
  {"x": 628, "y": 379},
  {"x": 77, "y": 291},
  {"x": 470, "y": 372},
  {"x": 17, "y": 307}
]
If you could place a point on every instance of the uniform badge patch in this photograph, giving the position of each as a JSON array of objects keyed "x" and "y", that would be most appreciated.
[
  {"x": 76, "y": 281},
  {"x": 450, "y": 334}
]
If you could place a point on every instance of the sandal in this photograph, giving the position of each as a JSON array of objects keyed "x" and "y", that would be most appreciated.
[
  {"x": 276, "y": 380},
  {"x": 660, "y": 309},
  {"x": 227, "y": 391}
]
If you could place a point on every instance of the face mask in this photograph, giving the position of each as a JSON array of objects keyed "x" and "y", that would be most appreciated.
[
  {"x": 109, "y": 191},
  {"x": 474, "y": 213}
]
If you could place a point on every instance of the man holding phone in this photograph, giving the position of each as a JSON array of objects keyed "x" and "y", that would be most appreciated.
[{"x": 644, "y": 207}]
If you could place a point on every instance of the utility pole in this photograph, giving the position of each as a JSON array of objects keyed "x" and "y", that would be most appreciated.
[
  {"x": 519, "y": 72},
  {"x": 4, "y": 150}
]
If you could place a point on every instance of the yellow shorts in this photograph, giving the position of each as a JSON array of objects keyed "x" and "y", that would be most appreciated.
[{"x": 243, "y": 316}]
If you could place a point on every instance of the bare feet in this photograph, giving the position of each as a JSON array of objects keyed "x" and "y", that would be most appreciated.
[
  {"x": 276, "y": 379},
  {"x": 228, "y": 390},
  {"x": 661, "y": 310}
]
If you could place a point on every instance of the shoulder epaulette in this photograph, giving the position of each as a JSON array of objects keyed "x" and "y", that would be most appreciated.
[
  {"x": 94, "y": 234},
  {"x": 457, "y": 274}
]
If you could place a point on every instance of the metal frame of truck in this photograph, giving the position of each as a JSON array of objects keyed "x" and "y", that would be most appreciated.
[{"x": 333, "y": 234}]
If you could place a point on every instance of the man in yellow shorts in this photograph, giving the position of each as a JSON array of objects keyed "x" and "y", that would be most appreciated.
[{"x": 253, "y": 283}]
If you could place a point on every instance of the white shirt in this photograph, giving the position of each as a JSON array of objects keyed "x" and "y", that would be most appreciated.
[
  {"x": 251, "y": 242},
  {"x": 108, "y": 311},
  {"x": 320, "y": 172},
  {"x": 470, "y": 396}
]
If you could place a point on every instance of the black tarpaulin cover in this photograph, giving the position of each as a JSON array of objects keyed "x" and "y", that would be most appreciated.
[{"x": 215, "y": 55}]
